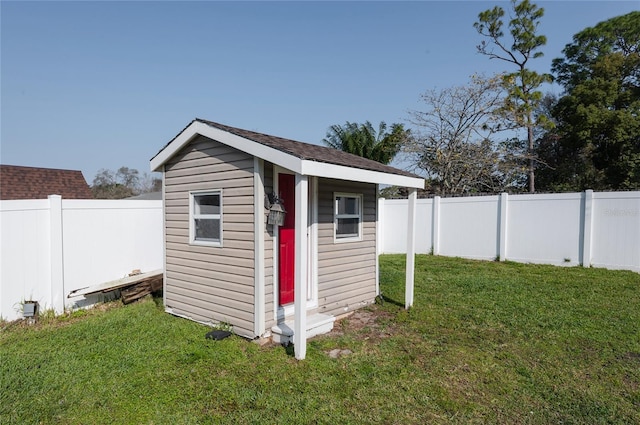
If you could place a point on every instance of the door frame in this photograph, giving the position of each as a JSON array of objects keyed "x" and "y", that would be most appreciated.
[{"x": 280, "y": 313}]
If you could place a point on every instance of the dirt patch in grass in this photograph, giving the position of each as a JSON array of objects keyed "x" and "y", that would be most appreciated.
[{"x": 371, "y": 323}]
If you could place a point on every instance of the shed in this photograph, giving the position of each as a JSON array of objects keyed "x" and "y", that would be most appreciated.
[{"x": 226, "y": 262}]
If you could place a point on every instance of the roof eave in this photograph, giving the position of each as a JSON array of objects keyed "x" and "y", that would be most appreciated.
[{"x": 340, "y": 172}]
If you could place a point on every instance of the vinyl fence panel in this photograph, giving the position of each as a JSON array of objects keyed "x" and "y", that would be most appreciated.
[
  {"x": 469, "y": 227},
  {"x": 600, "y": 229},
  {"x": 544, "y": 228},
  {"x": 616, "y": 230},
  {"x": 394, "y": 226},
  {"x": 105, "y": 239},
  {"x": 25, "y": 267},
  {"x": 51, "y": 247}
]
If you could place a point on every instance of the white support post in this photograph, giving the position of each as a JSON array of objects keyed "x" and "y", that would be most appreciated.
[
  {"x": 380, "y": 225},
  {"x": 502, "y": 231},
  {"x": 435, "y": 226},
  {"x": 57, "y": 259},
  {"x": 164, "y": 238},
  {"x": 587, "y": 213},
  {"x": 300, "y": 286},
  {"x": 258, "y": 249},
  {"x": 411, "y": 249},
  {"x": 379, "y": 237}
]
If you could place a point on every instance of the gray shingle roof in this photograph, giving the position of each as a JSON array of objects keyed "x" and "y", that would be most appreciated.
[{"x": 308, "y": 151}]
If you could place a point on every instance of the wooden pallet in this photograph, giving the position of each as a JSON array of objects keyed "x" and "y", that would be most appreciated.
[{"x": 141, "y": 289}]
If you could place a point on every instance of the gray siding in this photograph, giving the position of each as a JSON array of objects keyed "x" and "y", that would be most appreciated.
[
  {"x": 347, "y": 270},
  {"x": 211, "y": 284}
]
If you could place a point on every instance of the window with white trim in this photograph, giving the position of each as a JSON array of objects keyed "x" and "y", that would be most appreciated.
[
  {"x": 205, "y": 218},
  {"x": 347, "y": 217}
]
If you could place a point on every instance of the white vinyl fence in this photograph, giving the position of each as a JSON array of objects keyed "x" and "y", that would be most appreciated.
[
  {"x": 599, "y": 229},
  {"x": 49, "y": 247}
]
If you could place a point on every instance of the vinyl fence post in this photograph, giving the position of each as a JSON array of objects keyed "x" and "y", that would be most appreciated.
[
  {"x": 435, "y": 226},
  {"x": 502, "y": 231},
  {"x": 56, "y": 252},
  {"x": 587, "y": 214}
]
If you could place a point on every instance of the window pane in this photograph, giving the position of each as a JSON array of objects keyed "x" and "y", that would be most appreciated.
[
  {"x": 347, "y": 227},
  {"x": 207, "y": 204},
  {"x": 207, "y": 229},
  {"x": 347, "y": 205}
]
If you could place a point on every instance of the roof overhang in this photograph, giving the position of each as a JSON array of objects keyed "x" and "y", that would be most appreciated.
[{"x": 279, "y": 158}]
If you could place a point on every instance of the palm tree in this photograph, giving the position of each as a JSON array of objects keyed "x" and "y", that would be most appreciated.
[{"x": 362, "y": 140}]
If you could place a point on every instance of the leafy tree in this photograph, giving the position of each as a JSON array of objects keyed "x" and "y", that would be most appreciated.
[
  {"x": 597, "y": 143},
  {"x": 518, "y": 49},
  {"x": 364, "y": 141},
  {"x": 455, "y": 143}
]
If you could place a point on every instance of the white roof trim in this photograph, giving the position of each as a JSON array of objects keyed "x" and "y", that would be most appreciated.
[
  {"x": 334, "y": 171},
  {"x": 277, "y": 157}
]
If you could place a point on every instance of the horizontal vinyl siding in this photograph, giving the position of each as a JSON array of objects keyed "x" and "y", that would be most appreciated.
[
  {"x": 346, "y": 270},
  {"x": 211, "y": 284}
]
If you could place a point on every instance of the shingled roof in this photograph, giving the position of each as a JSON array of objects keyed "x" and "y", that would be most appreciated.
[
  {"x": 310, "y": 152},
  {"x": 345, "y": 165},
  {"x": 17, "y": 182}
]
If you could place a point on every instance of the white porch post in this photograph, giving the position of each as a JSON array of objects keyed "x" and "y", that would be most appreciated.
[
  {"x": 300, "y": 288},
  {"x": 411, "y": 249}
]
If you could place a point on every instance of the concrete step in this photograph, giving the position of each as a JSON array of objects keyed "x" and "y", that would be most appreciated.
[{"x": 317, "y": 324}]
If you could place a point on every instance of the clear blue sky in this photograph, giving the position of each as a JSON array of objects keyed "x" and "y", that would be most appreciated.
[{"x": 90, "y": 85}]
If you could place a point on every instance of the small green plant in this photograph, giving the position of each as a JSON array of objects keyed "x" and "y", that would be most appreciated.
[
  {"x": 47, "y": 314},
  {"x": 223, "y": 326}
]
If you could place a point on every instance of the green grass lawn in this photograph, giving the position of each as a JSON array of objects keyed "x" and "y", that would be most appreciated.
[{"x": 485, "y": 342}]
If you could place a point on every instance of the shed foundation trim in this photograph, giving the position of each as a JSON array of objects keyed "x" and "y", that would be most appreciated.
[{"x": 317, "y": 324}]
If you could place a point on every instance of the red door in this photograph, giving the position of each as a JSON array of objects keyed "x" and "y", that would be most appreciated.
[{"x": 287, "y": 252}]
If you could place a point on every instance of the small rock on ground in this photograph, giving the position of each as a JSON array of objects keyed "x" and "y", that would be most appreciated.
[{"x": 337, "y": 352}]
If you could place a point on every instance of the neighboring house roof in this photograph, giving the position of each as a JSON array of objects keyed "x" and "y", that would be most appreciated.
[
  {"x": 149, "y": 196},
  {"x": 303, "y": 158},
  {"x": 17, "y": 182}
]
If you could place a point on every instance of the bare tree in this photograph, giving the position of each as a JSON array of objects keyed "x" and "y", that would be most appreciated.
[
  {"x": 123, "y": 183},
  {"x": 454, "y": 139},
  {"x": 149, "y": 183}
]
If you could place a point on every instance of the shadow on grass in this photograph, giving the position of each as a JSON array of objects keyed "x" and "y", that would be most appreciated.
[
  {"x": 382, "y": 299},
  {"x": 158, "y": 299},
  {"x": 289, "y": 349}
]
